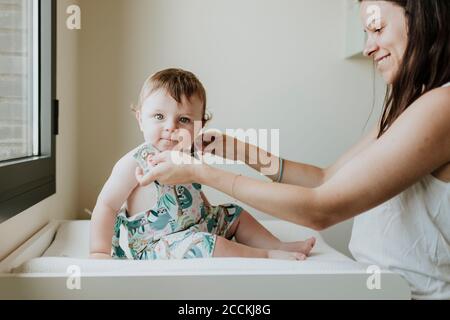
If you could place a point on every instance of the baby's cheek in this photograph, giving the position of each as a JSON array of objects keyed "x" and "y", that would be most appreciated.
[
  {"x": 186, "y": 136},
  {"x": 151, "y": 129},
  {"x": 151, "y": 137}
]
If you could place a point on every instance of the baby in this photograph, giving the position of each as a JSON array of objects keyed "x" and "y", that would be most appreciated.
[{"x": 174, "y": 222}]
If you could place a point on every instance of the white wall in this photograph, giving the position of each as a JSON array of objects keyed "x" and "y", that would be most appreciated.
[{"x": 63, "y": 204}]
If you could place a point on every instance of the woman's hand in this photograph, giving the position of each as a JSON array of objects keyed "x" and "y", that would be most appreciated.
[
  {"x": 169, "y": 167},
  {"x": 216, "y": 143}
]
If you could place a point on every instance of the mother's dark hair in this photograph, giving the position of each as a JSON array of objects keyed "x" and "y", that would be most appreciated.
[{"x": 425, "y": 64}]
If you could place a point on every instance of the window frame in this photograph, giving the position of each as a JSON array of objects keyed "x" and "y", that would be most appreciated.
[{"x": 25, "y": 182}]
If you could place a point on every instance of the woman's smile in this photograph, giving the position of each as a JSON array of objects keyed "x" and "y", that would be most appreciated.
[{"x": 383, "y": 62}]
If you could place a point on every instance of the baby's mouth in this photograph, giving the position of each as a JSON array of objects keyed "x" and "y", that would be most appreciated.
[{"x": 169, "y": 141}]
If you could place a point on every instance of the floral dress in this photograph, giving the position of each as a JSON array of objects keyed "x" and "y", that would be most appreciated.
[{"x": 180, "y": 226}]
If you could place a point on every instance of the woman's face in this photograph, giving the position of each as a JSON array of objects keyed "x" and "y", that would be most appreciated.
[{"x": 387, "y": 38}]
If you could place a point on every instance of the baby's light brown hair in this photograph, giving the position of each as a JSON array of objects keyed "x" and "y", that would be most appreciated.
[{"x": 177, "y": 83}]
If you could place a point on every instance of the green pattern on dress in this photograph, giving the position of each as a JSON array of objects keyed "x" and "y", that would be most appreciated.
[
  {"x": 167, "y": 201},
  {"x": 184, "y": 196},
  {"x": 179, "y": 226}
]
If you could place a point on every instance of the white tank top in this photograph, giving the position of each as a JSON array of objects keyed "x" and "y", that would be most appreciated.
[{"x": 410, "y": 235}]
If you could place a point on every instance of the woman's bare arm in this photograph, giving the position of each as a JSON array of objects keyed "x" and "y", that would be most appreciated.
[
  {"x": 366, "y": 141},
  {"x": 296, "y": 173},
  {"x": 293, "y": 172},
  {"x": 416, "y": 144}
]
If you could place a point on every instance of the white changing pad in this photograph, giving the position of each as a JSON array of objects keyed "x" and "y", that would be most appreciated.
[
  {"x": 71, "y": 247},
  {"x": 42, "y": 267}
]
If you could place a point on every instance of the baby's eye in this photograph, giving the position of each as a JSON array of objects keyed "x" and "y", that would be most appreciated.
[
  {"x": 185, "y": 120},
  {"x": 158, "y": 116}
]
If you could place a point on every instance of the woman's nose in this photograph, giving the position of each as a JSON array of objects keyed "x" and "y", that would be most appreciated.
[{"x": 371, "y": 47}]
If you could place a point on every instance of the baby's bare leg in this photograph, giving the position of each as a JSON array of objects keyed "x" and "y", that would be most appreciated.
[
  {"x": 250, "y": 232},
  {"x": 227, "y": 248}
]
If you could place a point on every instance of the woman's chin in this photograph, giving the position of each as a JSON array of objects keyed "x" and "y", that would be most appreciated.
[
  {"x": 387, "y": 79},
  {"x": 388, "y": 76}
]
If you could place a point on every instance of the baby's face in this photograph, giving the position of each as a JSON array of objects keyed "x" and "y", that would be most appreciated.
[{"x": 163, "y": 121}]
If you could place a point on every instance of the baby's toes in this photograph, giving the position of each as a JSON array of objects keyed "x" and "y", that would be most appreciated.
[
  {"x": 307, "y": 245},
  {"x": 300, "y": 256},
  {"x": 310, "y": 242}
]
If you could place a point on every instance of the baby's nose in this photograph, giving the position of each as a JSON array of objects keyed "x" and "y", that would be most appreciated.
[{"x": 170, "y": 125}]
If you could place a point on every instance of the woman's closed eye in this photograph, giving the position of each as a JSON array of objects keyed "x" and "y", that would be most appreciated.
[{"x": 379, "y": 30}]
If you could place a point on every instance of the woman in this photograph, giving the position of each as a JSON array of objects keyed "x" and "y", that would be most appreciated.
[{"x": 395, "y": 181}]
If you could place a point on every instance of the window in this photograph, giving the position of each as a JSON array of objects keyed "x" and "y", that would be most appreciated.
[{"x": 28, "y": 109}]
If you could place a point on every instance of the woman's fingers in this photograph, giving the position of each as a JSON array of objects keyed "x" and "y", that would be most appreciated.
[
  {"x": 138, "y": 173},
  {"x": 159, "y": 157},
  {"x": 175, "y": 157},
  {"x": 142, "y": 179}
]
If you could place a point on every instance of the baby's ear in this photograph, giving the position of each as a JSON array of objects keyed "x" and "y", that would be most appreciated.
[{"x": 138, "y": 118}]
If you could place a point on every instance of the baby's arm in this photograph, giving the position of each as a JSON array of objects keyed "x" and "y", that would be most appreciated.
[{"x": 115, "y": 192}]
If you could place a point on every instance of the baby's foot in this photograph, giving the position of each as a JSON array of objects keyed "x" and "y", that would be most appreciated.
[
  {"x": 285, "y": 255},
  {"x": 299, "y": 246}
]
